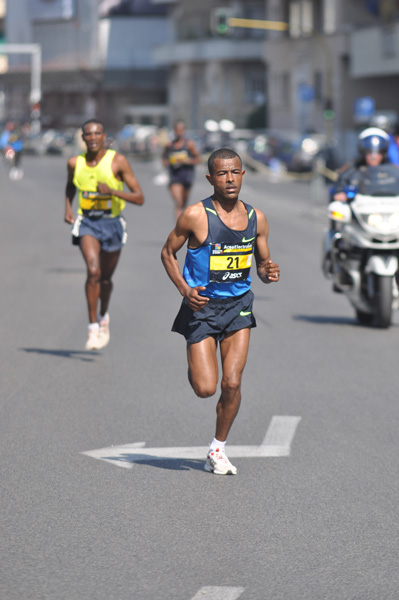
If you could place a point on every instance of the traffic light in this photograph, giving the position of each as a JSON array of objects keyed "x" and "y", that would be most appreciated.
[
  {"x": 329, "y": 113},
  {"x": 220, "y": 21}
]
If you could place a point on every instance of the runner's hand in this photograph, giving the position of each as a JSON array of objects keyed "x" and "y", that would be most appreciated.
[
  {"x": 69, "y": 217},
  {"x": 195, "y": 301},
  {"x": 103, "y": 188},
  {"x": 272, "y": 271}
]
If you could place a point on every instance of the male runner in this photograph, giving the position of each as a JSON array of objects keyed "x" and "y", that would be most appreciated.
[
  {"x": 180, "y": 157},
  {"x": 223, "y": 233},
  {"x": 99, "y": 229}
]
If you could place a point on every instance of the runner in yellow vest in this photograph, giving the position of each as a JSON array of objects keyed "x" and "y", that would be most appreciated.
[{"x": 99, "y": 229}]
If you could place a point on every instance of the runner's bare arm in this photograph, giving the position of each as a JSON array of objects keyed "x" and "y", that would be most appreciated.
[
  {"x": 195, "y": 157},
  {"x": 123, "y": 171},
  {"x": 267, "y": 270},
  {"x": 183, "y": 230},
  {"x": 165, "y": 157},
  {"x": 70, "y": 192}
]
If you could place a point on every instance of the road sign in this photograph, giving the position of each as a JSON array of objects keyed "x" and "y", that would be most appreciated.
[
  {"x": 306, "y": 92},
  {"x": 363, "y": 109},
  {"x": 277, "y": 442}
]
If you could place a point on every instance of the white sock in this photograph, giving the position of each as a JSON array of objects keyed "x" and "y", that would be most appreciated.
[
  {"x": 101, "y": 318},
  {"x": 217, "y": 444},
  {"x": 93, "y": 326}
]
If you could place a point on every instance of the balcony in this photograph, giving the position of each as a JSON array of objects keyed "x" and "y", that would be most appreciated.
[{"x": 208, "y": 50}]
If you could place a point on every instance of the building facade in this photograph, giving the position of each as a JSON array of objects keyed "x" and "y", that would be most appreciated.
[
  {"x": 96, "y": 59},
  {"x": 336, "y": 65},
  {"x": 210, "y": 76},
  {"x": 153, "y": 61}
]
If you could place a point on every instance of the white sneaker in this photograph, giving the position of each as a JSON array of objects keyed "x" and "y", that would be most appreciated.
[
  {"x": 218, "y": 463},
  {"x": 93, "y": 340},
  {"x": 104, "y": 330}
]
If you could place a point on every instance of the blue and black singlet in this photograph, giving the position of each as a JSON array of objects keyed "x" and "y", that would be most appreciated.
[{"x": 222, "y": 264}]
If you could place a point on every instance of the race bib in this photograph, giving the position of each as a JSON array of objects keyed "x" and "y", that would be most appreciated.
[
  {"x": 96, "y": 201},
  {"x": 230, "y": 262},
  {"x": 177, "y": 158}
]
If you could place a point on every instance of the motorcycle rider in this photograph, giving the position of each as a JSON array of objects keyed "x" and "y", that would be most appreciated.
[
  {"x": 372, "y": 174},
  {"x": 385, "y": 123}
]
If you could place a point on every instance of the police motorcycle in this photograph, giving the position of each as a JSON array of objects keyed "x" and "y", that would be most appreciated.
[{"x": 361, "y": 249}]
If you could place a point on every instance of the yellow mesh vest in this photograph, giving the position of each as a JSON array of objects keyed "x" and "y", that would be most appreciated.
[{"x": 86, "y": 180}]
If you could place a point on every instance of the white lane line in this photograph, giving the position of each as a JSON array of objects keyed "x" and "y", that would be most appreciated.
[
  {"x": 281, "y": 432},
  {"x": 218, "y": 593},
  {"x": 277, "y": 442}
]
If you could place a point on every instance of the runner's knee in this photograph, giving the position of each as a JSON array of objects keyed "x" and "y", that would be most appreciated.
[
  {"x": 203, "y": 389},
  {"x": 93, "y": 273},
  {"x": 106, "y": 282},
  {"x": 231, "y": 385}
]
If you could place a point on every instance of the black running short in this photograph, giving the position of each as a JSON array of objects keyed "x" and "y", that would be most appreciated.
[
  {"x": 184, "y": 175},
  {"x": 218, "y": 318}
]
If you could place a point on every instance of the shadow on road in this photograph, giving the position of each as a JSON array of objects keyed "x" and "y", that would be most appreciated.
[
  {"x": 326, "y": 320},
  {"x": 323, "y": 320},
  {"x": 84, "y": 355},
  {"x": 63, "y": 270},
  {"x": 174, "y": 464}
]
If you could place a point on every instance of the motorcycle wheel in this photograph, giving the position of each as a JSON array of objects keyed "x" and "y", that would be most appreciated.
[
  {"x": 364, "y": 318},
  {"x": 383, "y": 300}
]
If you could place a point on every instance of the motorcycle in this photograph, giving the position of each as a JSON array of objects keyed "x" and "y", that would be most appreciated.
[{"x": 361, "y": 254}]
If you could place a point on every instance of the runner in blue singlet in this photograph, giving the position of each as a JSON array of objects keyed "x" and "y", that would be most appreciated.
[
  {"x": 180, "y": 158},
  {"x": 223, "y": 235}
]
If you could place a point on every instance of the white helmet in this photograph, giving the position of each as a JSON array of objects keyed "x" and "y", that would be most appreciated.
[{"x": 373, "y": 139}]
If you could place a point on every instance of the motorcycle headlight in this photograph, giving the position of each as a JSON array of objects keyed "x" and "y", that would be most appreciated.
[
  {"x": 375, "y": 220},
  {"x": 393, "y": 220}
]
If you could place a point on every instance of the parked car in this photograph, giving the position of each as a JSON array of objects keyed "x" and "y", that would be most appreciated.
[
  {"x": 297, "y": 152},
  {"x": 137, "y": 139},
  {"x": 34, "y": 144},
  {"x": 55, "y": 141},
  {"x": 260, "y": 149}
]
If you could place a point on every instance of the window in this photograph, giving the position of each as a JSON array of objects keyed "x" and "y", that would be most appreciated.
[
  {"x": 295, "y": 19},
  {"x": 330, "y": 16},
  {"x": 302, "y": 15},
  {"x": 318, "y": 85},
  {"x": 285, "y": 90},
  {"x": 307, "y": 16},
  {"x": 255, "y": 86},
  {"x": 388, "y": 42}
]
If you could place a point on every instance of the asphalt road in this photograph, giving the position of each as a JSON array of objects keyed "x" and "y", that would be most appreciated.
[{"x": 320, "y": 523}]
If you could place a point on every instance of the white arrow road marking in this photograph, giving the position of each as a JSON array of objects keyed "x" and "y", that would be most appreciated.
[
  {"x": 277, "y": 442},
  {"x": 218, "y": 593}
]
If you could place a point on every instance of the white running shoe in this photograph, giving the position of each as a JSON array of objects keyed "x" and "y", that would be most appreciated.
[
  {"x": 218, "y": 463},
  {"x": 93, "y": 340},
  {"x": 104, "y": 330}
]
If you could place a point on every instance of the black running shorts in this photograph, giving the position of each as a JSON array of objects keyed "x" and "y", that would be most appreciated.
[
  {"x": 218, "y": 318},
  {"x": 184, "y": 175}
]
